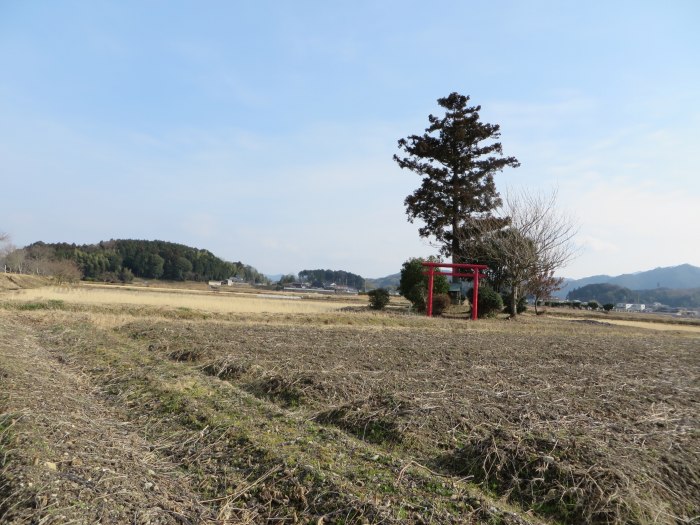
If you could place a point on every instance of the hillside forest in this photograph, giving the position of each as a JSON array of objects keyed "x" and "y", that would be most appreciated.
[
  {"x": 124, "y": 259},
  {"x": 325, "y": 277}
]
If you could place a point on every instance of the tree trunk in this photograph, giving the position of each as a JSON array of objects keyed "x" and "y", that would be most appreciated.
[
  {"x": 456, "y": 256},
  {"x": 513, "y": 301}
]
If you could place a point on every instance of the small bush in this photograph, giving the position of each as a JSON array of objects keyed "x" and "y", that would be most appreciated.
[
  {"x": 378, "y": 298},
  {"x": 490, "y": 301},
  {"x": 126, "y": 275},
  {"x": 440, "y": 303},
  {"x": 608, "y": 306}
]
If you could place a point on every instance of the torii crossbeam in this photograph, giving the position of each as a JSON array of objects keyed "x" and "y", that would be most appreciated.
[{"x": 475, "y": 275}]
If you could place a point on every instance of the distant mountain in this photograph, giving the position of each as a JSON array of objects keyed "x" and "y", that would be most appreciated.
[
  {"x": 390, "y": 281},
  {"x": 685, "y": 276},
  {"x": 613, "y": 293}
]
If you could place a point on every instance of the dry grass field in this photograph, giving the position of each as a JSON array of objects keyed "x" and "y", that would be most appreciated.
[
  {"x": 145, "y": 407},
  {"x": 203, "y": 300}
]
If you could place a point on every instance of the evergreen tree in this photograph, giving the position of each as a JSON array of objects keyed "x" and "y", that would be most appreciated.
[
  {"x": 414, "y": 282},
  {"x": 457, "y": 157}
]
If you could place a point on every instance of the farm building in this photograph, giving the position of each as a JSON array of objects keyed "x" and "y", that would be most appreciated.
[{"x": 630, "y": 307}]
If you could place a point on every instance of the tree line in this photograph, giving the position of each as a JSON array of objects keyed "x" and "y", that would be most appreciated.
[
  {"x": 326, "y": 277},
  {"x": 124, "y": 259},
  {"x": 612, "y": 293}
]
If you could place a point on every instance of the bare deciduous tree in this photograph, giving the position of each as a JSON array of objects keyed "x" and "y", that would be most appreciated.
[
  {"x": 536, "y": 241},
  {"x": 5, "y": 249},
  {"x": 542, "y": 285},
  {"x": 63, "y": 271},
  {"x": 13, "y": 259}
]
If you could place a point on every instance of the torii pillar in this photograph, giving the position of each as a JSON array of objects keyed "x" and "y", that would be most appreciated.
[{"x": 474, "y": 275}]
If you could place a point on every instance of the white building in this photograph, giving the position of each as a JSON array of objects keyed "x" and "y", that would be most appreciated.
[{"x": 630, "y": 307}]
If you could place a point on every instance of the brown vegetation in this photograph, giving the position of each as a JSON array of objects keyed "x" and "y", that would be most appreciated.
[
  {"x": 149, "y": 415},
  {"x": 15, "y": 281}
]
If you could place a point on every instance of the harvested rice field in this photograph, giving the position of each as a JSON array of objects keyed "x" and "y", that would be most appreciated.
[
  {"x": 176, "y": 413},
  {"x": 203, "y": 300}
]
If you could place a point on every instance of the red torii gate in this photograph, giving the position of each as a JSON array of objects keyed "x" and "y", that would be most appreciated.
[{"x": 475, "y": 275}]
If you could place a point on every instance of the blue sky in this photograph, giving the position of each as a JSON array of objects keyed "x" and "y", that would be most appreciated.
[{"x": 264, "y": 131}]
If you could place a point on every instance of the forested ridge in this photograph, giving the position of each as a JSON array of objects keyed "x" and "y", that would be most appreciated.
[
  {"x": 326, "y": 277},
  {"x": 612, "y": 293},
  {"x": 123, "y": 259}
]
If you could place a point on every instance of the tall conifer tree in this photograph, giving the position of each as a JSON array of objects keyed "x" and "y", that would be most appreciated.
[{"x": 457, "y": 157}]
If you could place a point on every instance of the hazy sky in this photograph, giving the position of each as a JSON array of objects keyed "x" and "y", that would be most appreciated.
[{"x": 264, "y": 131}]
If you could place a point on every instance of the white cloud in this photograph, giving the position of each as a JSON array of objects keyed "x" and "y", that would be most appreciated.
[{"x": 596, "y": 244}]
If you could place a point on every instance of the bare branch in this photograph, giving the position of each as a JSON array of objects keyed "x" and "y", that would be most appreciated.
[{"x": 528, "y": 240}]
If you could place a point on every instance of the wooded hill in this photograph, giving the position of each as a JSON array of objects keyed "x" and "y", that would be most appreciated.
[
  {"x": 389, "y": 282},
  {"x": 326, "y": 277},
  {"x": 612, "y": 293},
  {"x": 123, "y": 259}
]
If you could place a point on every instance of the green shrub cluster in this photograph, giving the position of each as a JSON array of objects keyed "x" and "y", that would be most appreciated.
[
  {"x": 490, "y": 302},
  {"x": 413, "y": 284},
  {"x": 378, "y": 298}
]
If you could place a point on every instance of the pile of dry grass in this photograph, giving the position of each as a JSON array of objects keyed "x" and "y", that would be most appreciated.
[{"x": 379, "y": 418}]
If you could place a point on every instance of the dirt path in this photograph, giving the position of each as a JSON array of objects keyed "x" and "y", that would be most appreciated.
[
  {"x": 670, "y": 327},
  {"x": 71, "y": 458}
]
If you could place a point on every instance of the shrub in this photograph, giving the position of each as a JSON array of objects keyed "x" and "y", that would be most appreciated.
[
  {"x": 378, "y": 298},
  {"x": 126, "y": 275},
  {"x": 414, "y": 283},
  {"x": 608, "y": 306},
  {"x": 490, "y": 301},
  {"x": 593, "y": 305},
  {"x": 440, "y": 303}
]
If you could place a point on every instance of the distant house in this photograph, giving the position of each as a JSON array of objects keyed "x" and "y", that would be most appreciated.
[
  {"x": 297, "y": 285},
  {"x": 343, "y": 289},
  {"x": 630, "y": 307}
]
